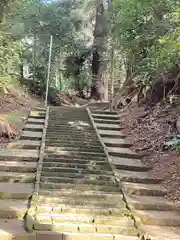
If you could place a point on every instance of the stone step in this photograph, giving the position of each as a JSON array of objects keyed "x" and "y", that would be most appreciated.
[
  {"x": 76, "y": 143},
  {"x": 129, "y": 164},
  {"x": 76, "y": 121},
  {"x": 18, "y": 153},
  {"x": 104, "y": 126},
  {"x": 74, "y": 153},
  {"x": 97, "y": 236},
  {"x": 80, "y": 206},
  {"x": 86, "y": 228},
  {"x": 73, "y": 146},
  {"x": 74, "y": 113},
  {"x": 144, "y": 189},
  {"x": 89, "y": 210},
  {"x": 138, "y": 177},
  {"x": 75, "y": 149},
  {"x": 83, "y": 187},
  {"x": 160, "y": 218},
  {"x": 25, "y": 144},
  {"x": 74, "y": 218},
  {"x": 15, "y": 190},
  {"x": 40, "y": 109},
  {"x": 161, "y": 232},
  {"x": 87, "y": 206},
  {"x": 77, "y": 126},
  {"x": 68, "y": 158},
  {"x": 104, "y": 112},
  {"x": 81, "y": 176},
  {"x": 64, "y": 128},
  {"x": 51, "y": 163},
  {"x": 105, "y": 116},
  {"x": 29, "y": 135},
  {"x": 71, "y": 135},
  {"x": 65, "y": 141},
  {"x": 90, "y": 166},
  {"x": 153, "y": 203},
  {"x": 123, "y": 152},
  {"x": 33, "y": 127},
  {"x": 70, "y": 114},
  {"x": 55, "y": 195},
  {"x": 89, "y": 219},
  {"x": 37, "y": 112},
  {"x": 40, "y": 116},
  {"x": 56, "y": 179},
  {"x": 51, "y": 134},
  {"x": 12, "y": 229},
  {"x": 75, "y": 170},
  {"x": 101, "y": 120},
  {"x": 22, "y": 167},
  {"x": 13, "y": 208},
  {"x": 115, "y": 142},
  {"x": 16, "y": 177},
  {"x": 32, "y": 120},
  {"x": 69, "y": 120},
  {"x": 18, "y": 159},
  {"x": 80, "y": 129},
  {"x": 111, "y": 134}
]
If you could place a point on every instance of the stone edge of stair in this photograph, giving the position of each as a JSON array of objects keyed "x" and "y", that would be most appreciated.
[
  {"x": 137, "y": 220},
  {"x": 31, "y": 212}
]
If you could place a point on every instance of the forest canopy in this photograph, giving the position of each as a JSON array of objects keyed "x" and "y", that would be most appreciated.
[{"x": 132, "y": 43}]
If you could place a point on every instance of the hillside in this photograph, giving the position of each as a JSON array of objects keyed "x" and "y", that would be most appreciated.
[
  {"x": 15, "y": 105},
  {"x": 149, "y": 130}
]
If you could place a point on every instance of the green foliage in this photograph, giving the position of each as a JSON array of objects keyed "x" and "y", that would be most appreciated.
[
  {"x": 64, "y": 21},
  {"x": 147, "y": 33},
  {"x": 10, "y": 57},
  {"x": 26, "y": 30},
  {"x": 174, "y": 143},
  {"x": 145, "y": 36},
  {"x": 83, "y": 80}
]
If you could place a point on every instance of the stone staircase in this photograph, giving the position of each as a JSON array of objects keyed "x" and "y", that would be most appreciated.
[
  {"x": 78, "y": 194},
  {"x": 18, "y": 164},
  {"x": 144, "y": 194},
  {"x": 72, "y": 176}
]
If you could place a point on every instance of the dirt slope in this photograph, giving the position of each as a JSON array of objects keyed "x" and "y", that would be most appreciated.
[
  {"x": 147, "y": 130},
  {"x": 14, "y": 107}
]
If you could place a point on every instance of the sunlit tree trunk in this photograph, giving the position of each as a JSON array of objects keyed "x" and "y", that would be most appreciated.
[{"x": 99, "y": 90}]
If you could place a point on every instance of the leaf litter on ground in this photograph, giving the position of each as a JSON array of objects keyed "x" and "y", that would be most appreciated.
[{"x": 149, "y": 130}]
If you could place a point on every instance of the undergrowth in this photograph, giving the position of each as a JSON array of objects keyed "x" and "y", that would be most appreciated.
[{"x": 174, "y": 143}]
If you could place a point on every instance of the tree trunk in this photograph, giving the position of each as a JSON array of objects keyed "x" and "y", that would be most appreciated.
[
  {"x": 111, "y": 77},
  {"x": 99, "y": 89},
  {"x": 4, "y": 8}
]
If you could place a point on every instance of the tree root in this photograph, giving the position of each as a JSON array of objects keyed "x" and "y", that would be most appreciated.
[{"x": 6, "y": 131}]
